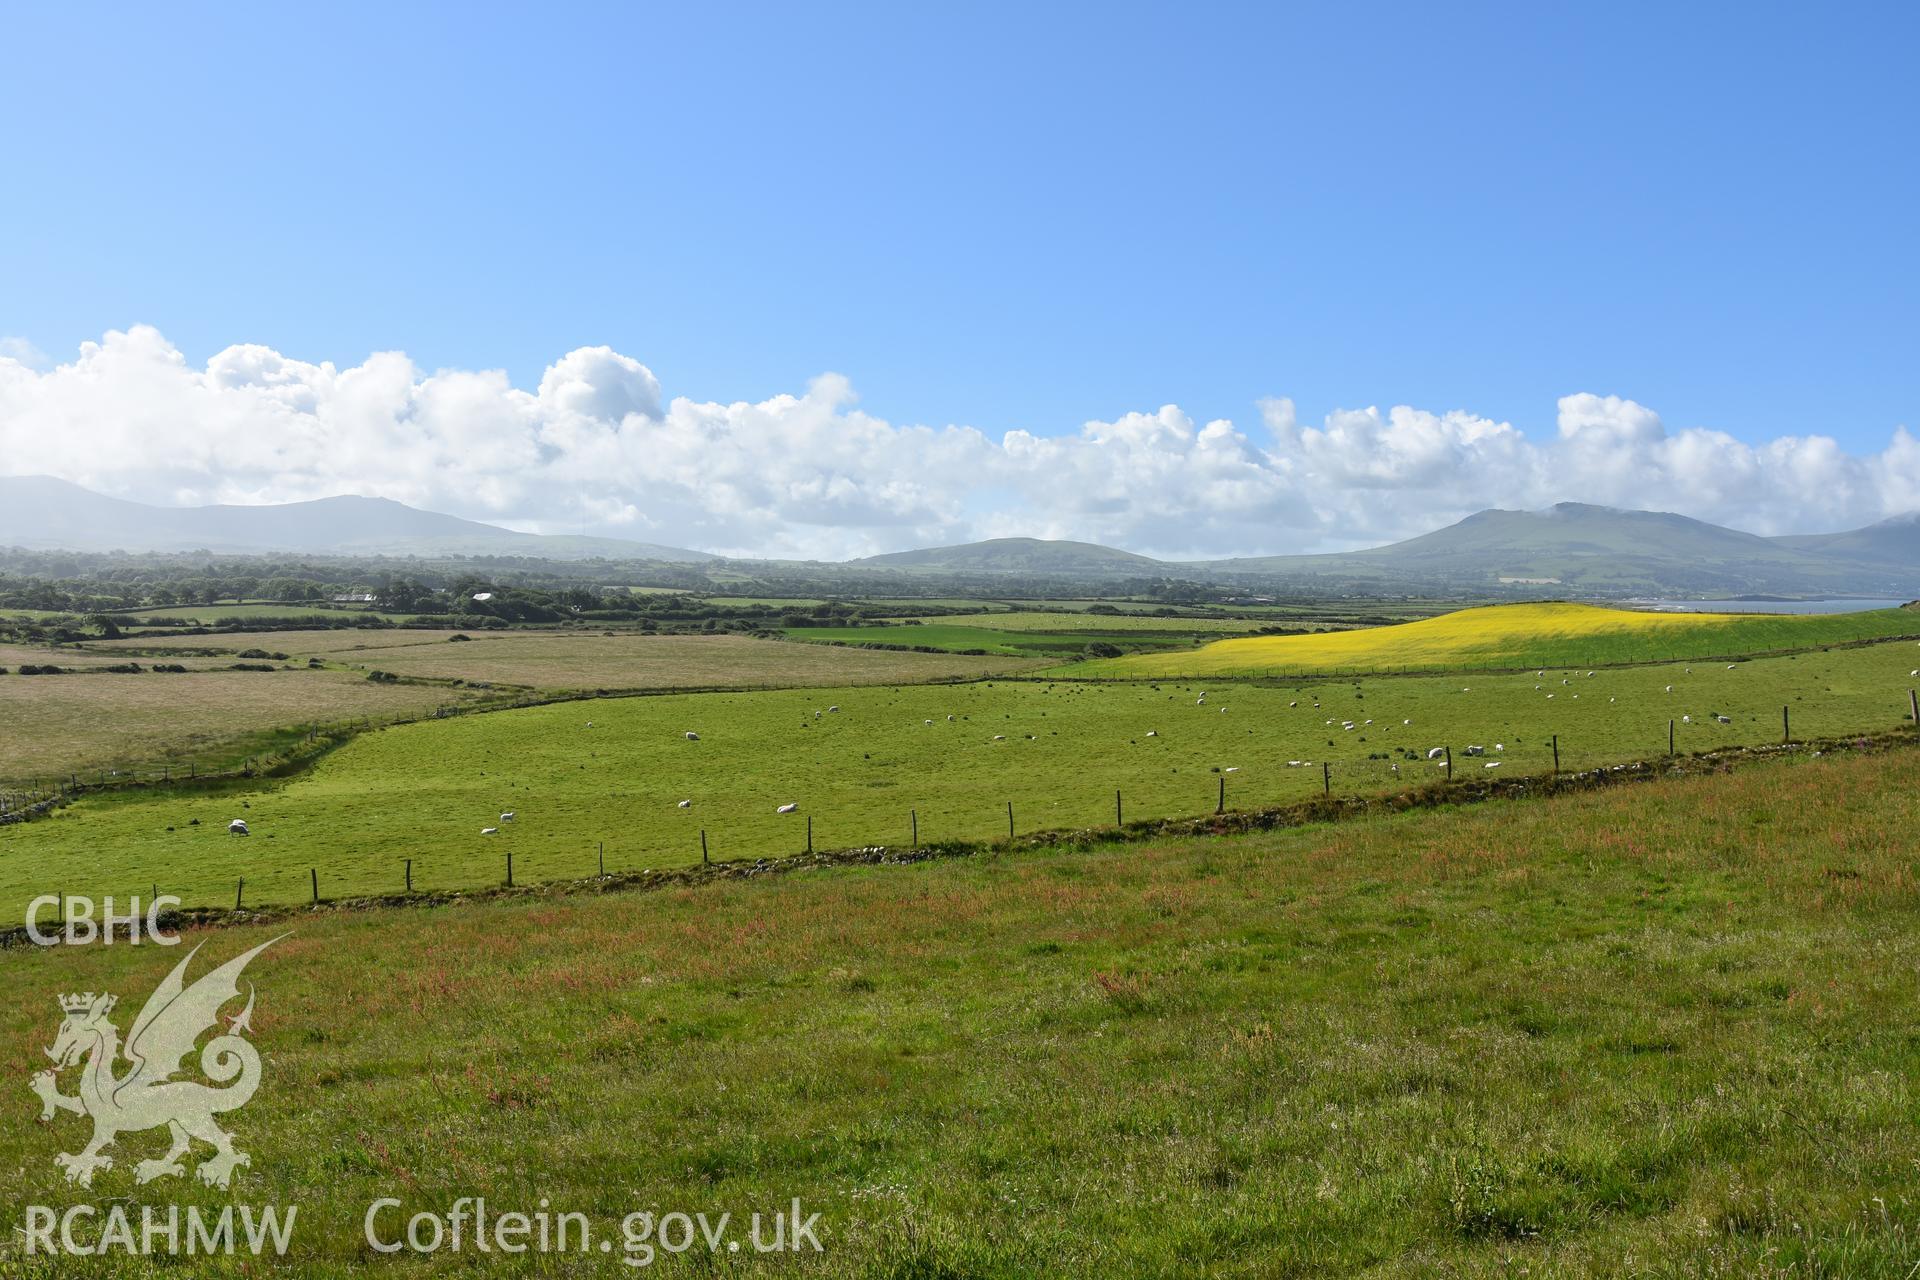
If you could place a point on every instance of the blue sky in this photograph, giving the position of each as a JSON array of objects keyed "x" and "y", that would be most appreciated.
[{"x": 1022, "y": 216}]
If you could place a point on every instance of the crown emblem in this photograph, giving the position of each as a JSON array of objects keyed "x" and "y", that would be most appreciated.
[{"x": 85, "y": 1002}]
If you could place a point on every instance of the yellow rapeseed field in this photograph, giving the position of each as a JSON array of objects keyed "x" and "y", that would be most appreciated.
[{"x": 1513, "y": 635}]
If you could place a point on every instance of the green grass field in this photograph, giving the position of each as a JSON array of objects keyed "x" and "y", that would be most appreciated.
[
  {"x": 1024, "y": 642},
  {"x": 1514, "y": 635},
  {"x": 1105, "y": 624},
  {"x": 1662, "y": 1030},
  {"x": 1058, "y": 752}
]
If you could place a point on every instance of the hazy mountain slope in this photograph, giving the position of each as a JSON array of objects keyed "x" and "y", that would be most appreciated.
[
  {"x": 41, "y": 512},
  {"x": 1019, "y": 555},
  {"x": 1895, "y": 541},
  {"x": 1602, "y": 549}
]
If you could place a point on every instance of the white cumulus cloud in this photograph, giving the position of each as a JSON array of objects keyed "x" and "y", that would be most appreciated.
[{"x": 596, "y": 448}]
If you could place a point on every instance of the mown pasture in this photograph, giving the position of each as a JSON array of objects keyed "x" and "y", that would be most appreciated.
[
  {"x": 90, "y": 722},
  {"x": 561, "y": 661},
  {"x": 1664, "y": 1029},
  {"x": 613, "y": 771},
  {"x": 1513, "y": 635}
]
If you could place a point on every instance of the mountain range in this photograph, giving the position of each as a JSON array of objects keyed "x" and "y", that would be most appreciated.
[
  {"x": 1571, "y": 549},
  {"x": 41, "y": 513}
]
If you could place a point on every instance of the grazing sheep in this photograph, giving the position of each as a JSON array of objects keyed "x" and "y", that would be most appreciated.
[
  {"x": 1476, "y": 750},
  {"x": 238, "y": 827},
  {"x": 1436, "y": 752},
  {"x": 686, "y": 804},
  {"x": 949, "y": 719},
  {"x": 831, "y": 710},
  {"x": 507, "y": 816},
  {"x": 1729, "y": 666},
  {"x": 788, "y": 808},
  {"x": 1686, "y": 719},
  {"x": 999, "y": 737},
  {"x": 1669, "y": 688},
  {"x": 1234, "y": 769},
  {"x": 489, "y": 831},
  {"x": 1406, "y": 722},
  {"x": 1153, "y": 733},
  {"x": 1724, "y": 719},
  {"x": 928, "y": 723},
  {"x": 1491, "y": 764},
  {"x": 692, "y": 736}
]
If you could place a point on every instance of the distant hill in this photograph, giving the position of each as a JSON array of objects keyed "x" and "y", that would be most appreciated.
[
  {"x": 1020, "y": 555},
  {"x": 1587, "y": 548},
  {"x": 42, "y": 513},
  {"x": 1895, "y": 541}
]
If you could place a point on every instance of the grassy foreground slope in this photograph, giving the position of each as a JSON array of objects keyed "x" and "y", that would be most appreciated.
[
  {"x": 613, "y": 771},
  {"x": 1514, "y": 635},
  {"x": 1665, "y": 1029}
]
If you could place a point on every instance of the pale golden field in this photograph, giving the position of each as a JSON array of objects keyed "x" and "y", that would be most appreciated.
[{"x": 86, "y": 723}]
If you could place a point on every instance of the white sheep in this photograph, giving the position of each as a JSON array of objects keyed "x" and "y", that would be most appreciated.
[
  {"x": 1492, "y": 764},
  {"x": 238, "y": 827},
  {"x": 489, "y": 831},
  {"x": 788, "y": 808},
  {"x": 1436, "y": 752},
  {"x": 507, "y": 816},
  {"x": 686, "y": 804},
  {"x": 692, "y": 736}
]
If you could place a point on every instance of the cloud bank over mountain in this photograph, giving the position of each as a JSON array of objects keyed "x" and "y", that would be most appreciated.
[{"x": 595, "y": 448}]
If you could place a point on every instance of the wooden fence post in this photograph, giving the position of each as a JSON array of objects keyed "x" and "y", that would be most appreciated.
[
  {"x": 315, "y": 873},
  {"x": 1326, "y": 778},
  {"x": 1669, "y": 737},
  {"x": 1119, "y": 820},
  {"x": 809, "y": 833},
  {"x": 239, "y": 891},
  {"x": 1786, "y": 727},
  {"x": 1222, "y": 806},
  {"x": 409, "y": 875},
  {"x": 603, "y": 858},
  {"x": 1913, "y": 706},
  {"x": 703, "y": 847},
  {"x": 913, "y": 815},
  {"x": 1556, "y": 753},
  {"x": 509, "y": 868},
  {"x": 1009, "y": 819},
  {"x": 1449, "y": 751}
]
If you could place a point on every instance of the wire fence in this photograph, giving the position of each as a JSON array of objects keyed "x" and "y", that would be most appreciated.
[{"x": 1083, "y": 806}]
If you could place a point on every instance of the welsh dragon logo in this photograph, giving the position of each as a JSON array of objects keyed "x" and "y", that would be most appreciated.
[{"x": 146, "y": 1095}]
